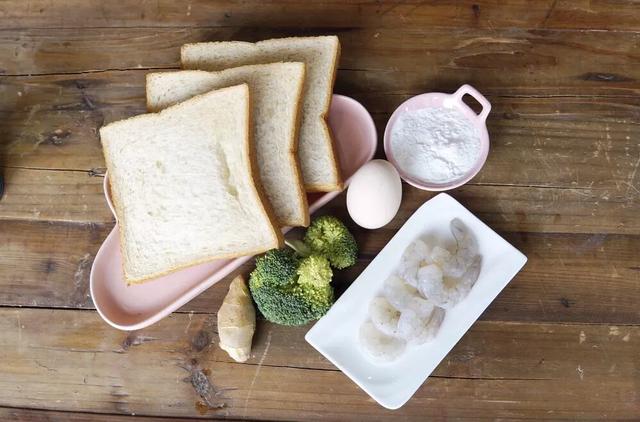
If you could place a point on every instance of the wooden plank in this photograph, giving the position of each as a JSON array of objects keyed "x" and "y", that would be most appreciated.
[
  {"x": 491, "y": 14},
  {"x": 541, "y": 209},
  {"x": 36, "y": 415},
  {"x": 77, "y": 196},
  {"x": 569, "y": 278},
  {"x": 498, "y": 370},
  {"x": 53, "y": 195},
  {"x": 488, "y": 57},
  {"x": 47, "y": 264},
  {"x": 580, "y": 142},
  {"x": 51, "y": 122}
]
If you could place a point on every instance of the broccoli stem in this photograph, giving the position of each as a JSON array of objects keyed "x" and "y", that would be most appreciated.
[{"x": 299, "y": 247}]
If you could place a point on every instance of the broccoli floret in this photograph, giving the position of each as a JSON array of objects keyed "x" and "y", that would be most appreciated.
[
  {"x": 314, "y": 283},
  {"x": 289, "y": 290},
  {"x": 329, "y": 237},
  {"x": 293, "y": 286},
  {"x": 314, "y": 271},
  {"x": 277, "y": 267}
]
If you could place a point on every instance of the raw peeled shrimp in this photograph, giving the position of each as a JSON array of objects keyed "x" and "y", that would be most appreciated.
[
  {"x": 439, "y": 256},
  {"x": 466, "y": 249},
  {"x": 414, "y": 256},
  {"x": 446, "y": 292},
  {"x": 403, "y": 296},
  {"x": 417, "y": 330},
  {"x": 455, "y": 264},
  {"x": 398, "y": 292},
  {"x": 420, "y": 306},
  {"x": 384, "y": 316},
  {"x": 446, "y": 261},
  {"x": 430, "y": 280},
  {"x": 378, "y": 345}
]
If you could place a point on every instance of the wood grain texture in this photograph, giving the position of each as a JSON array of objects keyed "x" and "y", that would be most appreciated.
[
  {"x": 52, "y": 195},
  {"x": 77, "y": 197},
  {"x": 168, "y": 369},
  {"x": 37, "y": 415},
  {"x": 334, "y": 14},
  {"x": 590, "y": 278},
  {"x": 490, "y": 58},
  {"x": 47, "y": 264},
  {"x": 541, "y": 209},
  {"x": 561, "y": 184},
  {"x": 579, "y": 156},
  {"x": 52, "y": 122}
]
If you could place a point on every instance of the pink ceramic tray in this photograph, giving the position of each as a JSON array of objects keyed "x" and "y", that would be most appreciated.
[{"x": 138, "y": 306}]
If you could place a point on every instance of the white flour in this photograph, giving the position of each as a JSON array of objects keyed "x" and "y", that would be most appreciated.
[{"x": 435, "y": 144}]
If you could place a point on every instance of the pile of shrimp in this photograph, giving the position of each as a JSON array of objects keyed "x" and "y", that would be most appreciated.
[{"x": 429, "y": 280}]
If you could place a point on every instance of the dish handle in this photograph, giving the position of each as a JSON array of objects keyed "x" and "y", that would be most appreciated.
[{"x": 468, "y": 89}]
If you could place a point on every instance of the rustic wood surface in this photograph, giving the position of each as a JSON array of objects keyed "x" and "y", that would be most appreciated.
[{"x": 561, "y": 183}]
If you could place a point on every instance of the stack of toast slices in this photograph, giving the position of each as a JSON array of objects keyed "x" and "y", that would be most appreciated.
[{"x": 226, "y": 155}]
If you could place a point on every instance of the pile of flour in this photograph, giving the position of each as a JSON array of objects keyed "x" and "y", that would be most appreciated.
[{"x": 437, "y": 144}]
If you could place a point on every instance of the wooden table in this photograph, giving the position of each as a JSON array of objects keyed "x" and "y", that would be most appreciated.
[{"x": 561, "y": 183}]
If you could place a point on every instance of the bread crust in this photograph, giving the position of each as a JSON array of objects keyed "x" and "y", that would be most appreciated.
[
  {"x": 337, "y": 184},
  {"x": 292, "y": 146},
  {"x": 295, "y": 160},
  {"x": 252, "y": 162},
  {"x": 250, "y": 158},
  {"x": 147, "y": 78}
]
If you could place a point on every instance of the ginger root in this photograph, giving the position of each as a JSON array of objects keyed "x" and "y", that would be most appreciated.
[{"x": 237, "y": 321}]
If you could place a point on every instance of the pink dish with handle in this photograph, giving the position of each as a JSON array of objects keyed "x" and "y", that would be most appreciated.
[
  {"x": 138, "y": 306},
  {"x": 439, "y": 99}
]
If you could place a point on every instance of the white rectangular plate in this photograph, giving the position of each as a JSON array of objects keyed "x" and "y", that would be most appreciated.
[{"x": 336, "y": 334}]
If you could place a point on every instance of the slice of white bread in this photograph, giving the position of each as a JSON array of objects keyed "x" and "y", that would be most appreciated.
[
  {"x": 183, "y": 182},
  {"x": 276, "y": 92},
  {"x": 317, "y": 153}
]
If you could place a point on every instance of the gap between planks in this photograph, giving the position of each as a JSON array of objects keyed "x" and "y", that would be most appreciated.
[
  {"x": 96, "y": 171},
  {"x": 83, "y": 415},
  {"x": 343, "y": 69},
  {"x": 336, "y": 29},
  {"x": 181, "y": 312},
  {"x": 86, "y": 72},
  {"x": 259, "y": 365},
  {"x": 339, "y": 69},
  {"x": 99, "y": 172},
  {"x": 111, "y": 417}
]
